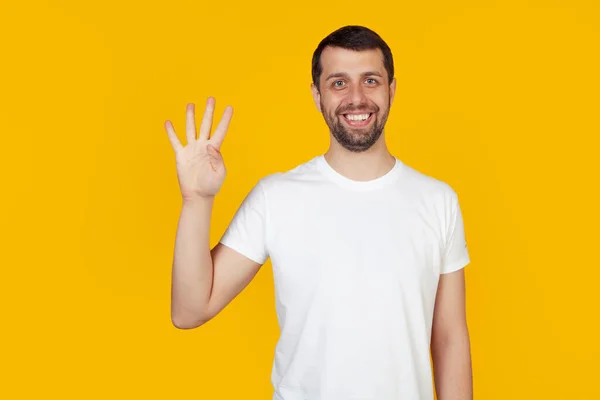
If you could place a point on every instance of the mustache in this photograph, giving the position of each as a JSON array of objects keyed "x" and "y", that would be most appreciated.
[{"x": 364, "y": 108}]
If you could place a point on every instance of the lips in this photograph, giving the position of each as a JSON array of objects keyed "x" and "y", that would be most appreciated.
[{"x": 358, "y": 122}]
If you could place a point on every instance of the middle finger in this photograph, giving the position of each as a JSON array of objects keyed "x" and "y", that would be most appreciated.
[{"x": 190, "y": 125}]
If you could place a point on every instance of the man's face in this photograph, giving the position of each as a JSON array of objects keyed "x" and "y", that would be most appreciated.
[{"x": 354, "y": 96}]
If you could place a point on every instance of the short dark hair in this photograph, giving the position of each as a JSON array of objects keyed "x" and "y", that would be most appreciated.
[{"x": 352, "y": 37}]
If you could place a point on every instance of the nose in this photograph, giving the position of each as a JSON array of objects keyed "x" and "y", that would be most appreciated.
[{"x": 357, "y": 95}]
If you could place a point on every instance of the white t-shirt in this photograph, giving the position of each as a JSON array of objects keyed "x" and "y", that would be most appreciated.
[{"x": 356, "y": 267}]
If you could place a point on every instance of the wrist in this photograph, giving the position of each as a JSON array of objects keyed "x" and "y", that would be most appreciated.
[{"x": 197, "y": 200}]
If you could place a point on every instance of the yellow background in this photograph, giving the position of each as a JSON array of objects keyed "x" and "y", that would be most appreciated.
[{"x": 499, "y": 99}]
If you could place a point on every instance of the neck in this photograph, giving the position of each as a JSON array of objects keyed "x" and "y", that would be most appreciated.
[{"x": 364, "y": 166}]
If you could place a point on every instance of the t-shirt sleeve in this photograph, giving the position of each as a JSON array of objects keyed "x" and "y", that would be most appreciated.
[
  {"x": 456, "y": 255},
  {"x": 247, "y": 230}
]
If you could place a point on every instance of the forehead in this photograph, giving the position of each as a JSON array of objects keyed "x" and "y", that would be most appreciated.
[{"x": 337, "y": 59}]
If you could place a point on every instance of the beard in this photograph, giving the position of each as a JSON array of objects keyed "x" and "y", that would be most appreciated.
[{"x": 355, "y": 139}]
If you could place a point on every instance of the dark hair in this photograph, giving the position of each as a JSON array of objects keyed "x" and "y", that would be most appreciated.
[{"x": 353, "y": 37}]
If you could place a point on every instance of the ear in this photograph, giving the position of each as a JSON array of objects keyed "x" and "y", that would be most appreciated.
[
  {"x": 316, "y": 96},
  {"x": 392, "y": 90}
]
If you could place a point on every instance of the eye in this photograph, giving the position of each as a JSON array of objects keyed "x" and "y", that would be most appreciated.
[
  {"x": 373, "y": 81},
  {"x": 335, "y": 84}
]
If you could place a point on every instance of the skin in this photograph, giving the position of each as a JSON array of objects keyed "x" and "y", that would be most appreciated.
[
  {"x": 351, "y": 82},
  {"x": 205, "y": 280},
  {"x": 450, "y": 343},
  {"x": 347, "y": 88}
]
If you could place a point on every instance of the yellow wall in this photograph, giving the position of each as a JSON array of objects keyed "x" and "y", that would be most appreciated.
[{"x": 499, "y": 99}]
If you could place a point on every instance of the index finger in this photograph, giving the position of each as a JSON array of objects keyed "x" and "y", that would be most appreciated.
[{"x": 219, "y": 134}]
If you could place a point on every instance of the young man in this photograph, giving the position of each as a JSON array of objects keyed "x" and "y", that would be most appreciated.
[{"x": 367, "y": 252}]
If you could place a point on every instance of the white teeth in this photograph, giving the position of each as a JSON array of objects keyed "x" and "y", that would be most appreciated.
[{"x": 358, "y": 117}]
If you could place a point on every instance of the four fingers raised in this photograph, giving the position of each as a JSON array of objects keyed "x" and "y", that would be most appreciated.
[{"x": 216, "y": 139}]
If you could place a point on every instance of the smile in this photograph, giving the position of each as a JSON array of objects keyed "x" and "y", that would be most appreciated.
[{"x": 358, "y": 119}]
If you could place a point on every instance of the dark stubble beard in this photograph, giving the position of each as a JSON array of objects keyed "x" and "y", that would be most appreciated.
[{"x": 355, "y": 140}]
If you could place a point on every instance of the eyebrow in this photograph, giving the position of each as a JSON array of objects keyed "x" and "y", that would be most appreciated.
[{"x": 345, "y": 75}]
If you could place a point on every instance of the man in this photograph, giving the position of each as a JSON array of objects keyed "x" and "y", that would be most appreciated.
[{"x": 367, "y": 253}]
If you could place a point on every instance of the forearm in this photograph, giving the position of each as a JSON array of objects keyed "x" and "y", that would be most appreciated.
[
  {"x": 452, "y": 366},
  {"x": 192, "y": 273}
]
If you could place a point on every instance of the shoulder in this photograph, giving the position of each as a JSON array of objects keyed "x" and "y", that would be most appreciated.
[
  {"x": 297, "y": 176},
  {"x": 426, "y": 183},
  {"x": 434, "y": 198},
  {"x": 428, "y": 189}
]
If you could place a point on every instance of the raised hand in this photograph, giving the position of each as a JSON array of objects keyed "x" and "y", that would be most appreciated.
[{"x": 200, "y": 166}]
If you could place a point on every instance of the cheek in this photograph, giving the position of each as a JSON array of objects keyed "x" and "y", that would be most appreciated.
[
  {"x": 334, "y": 101},
  {"x": 383, "y": 102},
  {"x": 333, "y": 107}
]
